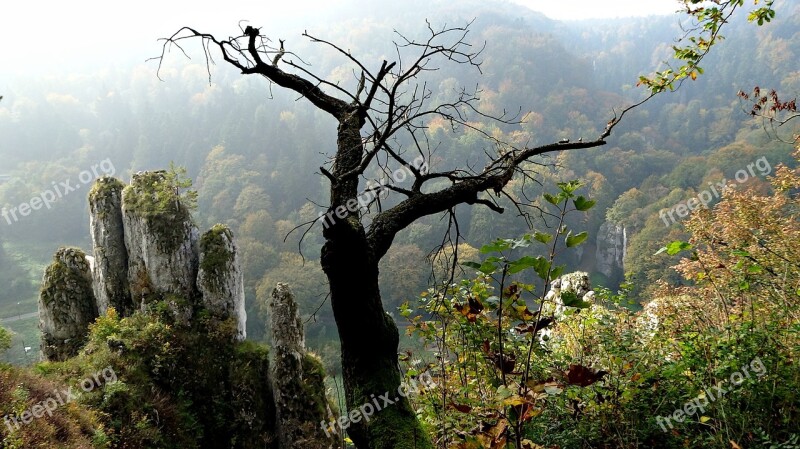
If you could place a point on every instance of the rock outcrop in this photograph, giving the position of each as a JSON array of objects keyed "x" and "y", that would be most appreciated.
[
  {"x": 220, "y": 279},
  {"x": 162, "y": 244},
  {"x": 577, "y": 283},
  {"x": 110, "y": 267},
  {"x": 66, "y": 304},
  {"x": 149, "y": 259},
  {"x": 297, "y": 379},
  {"x": 146, "y": 250},
  {"x": 611, "y": 248}
]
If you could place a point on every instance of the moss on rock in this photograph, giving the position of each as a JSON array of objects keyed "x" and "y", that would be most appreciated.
[
  {"x": 153, "y": 197},
  {"x": 216, "y": 255},
  {"x": 66, "y": 304}
]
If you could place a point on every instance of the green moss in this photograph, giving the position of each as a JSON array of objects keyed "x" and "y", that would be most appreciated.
[
  {"x": 249, "y": 372},
  {"x": 155, "y": 197},
  {"x": 70, "y": 285},
  {"x": 314, "y": 386},
  {"x": 103, "y": 188},
  {"x": 216, "y": 256}
]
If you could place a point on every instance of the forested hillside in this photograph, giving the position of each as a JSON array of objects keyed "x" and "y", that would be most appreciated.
[{"x": 254, "y": 152}]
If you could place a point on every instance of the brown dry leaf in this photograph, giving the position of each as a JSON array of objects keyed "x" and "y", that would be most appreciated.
[
  {"x": 530, "y": 412},
  {"x": 471, "y": 309},
  {"x": 583, "y": 376},
  {"x": 507, "y": 364},
  {"x": 461, "y": 407}
]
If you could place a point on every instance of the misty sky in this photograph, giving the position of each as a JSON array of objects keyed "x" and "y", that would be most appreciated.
[
  {"x": 55, "y": 34},
  {"x": 593, "y": 9}
]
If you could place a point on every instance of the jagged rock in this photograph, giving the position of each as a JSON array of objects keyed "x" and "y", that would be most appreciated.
[
  {"x": 611, "y": 247},
  {"x": 66, "y": 305},
  {"x": 162, "y": 243},
  {"x": 297, "y": 379},
  {"x": 143, "y": 237},
  {"x": 220, "y": 279},
  {"x": 577, "y": 282},
  {"x": 110, "y": 267}
]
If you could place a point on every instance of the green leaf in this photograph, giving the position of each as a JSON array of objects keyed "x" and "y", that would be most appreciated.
[
  {"x": 488, "y": 267},
  {"x": 474, "y": 265},
  {"x": 521, "y": 243},
  {"x": 542, "y": 267},
  {"x": 582, "y": 204},
  {"x": 577, "y": 239},
  {"x": 570, "y": 299},
  {"x": 557, "y": 271},
  {"x": 569, "y": 187},
  {"x": 755, "y": 269},
  {"x": 405, "y": 310},
  {"x": 551, "y": 199},
  {"x": 497, "y": 246},
  {"x": 504, "y": 392},
  {"x": 674, "y": 248},
  {"x": 542, "y": 237},
  {"x": 522, "y": 264}
]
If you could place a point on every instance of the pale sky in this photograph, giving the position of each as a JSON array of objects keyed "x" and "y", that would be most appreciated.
[
  {"x": 600, "y": 9},
  {"x": 56, "y": 33}
]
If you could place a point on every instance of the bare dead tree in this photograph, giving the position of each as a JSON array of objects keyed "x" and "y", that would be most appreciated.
[{"x": 383, "y": 124}]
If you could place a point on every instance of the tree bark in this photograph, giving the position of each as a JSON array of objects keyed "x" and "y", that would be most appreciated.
[{"x": 368, "y": 335}]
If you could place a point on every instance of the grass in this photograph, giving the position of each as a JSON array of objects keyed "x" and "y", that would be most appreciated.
[
  {"x": 33, "y": 257},
  {"x": 26, "y": 333}
]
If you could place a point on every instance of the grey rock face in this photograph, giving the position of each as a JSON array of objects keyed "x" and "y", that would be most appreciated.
[
  {"x": 110, "y": 267},
  {"x": 66, "y": 305},
  {"x": 611, "y": 241},
  {"x": 220, "y": 279},
  {"x": 162, "y": 242},
  {"x": 146, "y": 249},
  {"x": 287, "y": 328},
  {"x": 577, "y": 282},
  {"x": 297, "y": 379}
]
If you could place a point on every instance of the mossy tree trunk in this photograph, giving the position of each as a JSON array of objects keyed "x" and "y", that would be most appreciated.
[
  {"x": 369, "y": 343},
  {"x": 368, "y": 335}
]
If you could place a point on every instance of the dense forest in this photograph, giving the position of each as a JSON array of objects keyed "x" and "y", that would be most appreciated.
[{"x": 253, "y": 151}]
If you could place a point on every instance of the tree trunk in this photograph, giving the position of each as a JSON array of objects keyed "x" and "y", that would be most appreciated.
[{"x": 368, "y": 336}]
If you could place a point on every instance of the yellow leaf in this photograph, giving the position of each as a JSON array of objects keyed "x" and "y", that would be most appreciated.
[
  {"x": 693, "y": 75},
  {"x": 705, "y": 419},
  {"x": 514, "y": 400}
]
